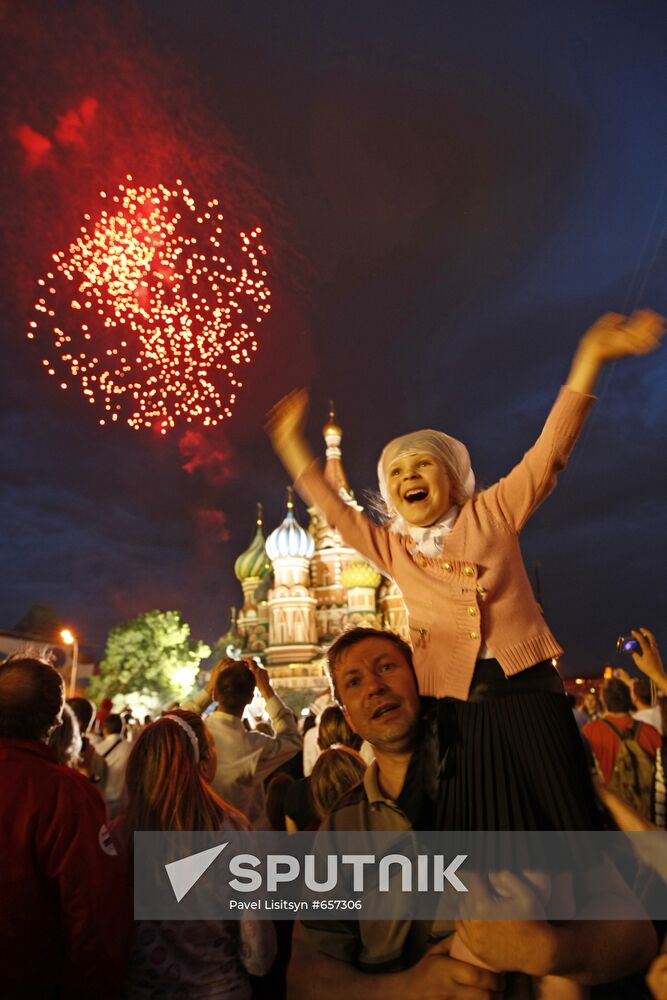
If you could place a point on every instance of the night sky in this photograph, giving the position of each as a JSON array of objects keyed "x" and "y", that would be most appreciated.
[{"x": 450, "y": 198}]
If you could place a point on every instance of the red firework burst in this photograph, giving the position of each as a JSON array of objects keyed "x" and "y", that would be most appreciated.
[{"x": 147, "y": 316}]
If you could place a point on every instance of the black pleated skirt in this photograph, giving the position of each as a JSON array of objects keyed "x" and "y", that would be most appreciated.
[{"x": 512, "y": 757}]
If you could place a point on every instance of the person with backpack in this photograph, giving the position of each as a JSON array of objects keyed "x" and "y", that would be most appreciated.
[{"x": 624, "y": 748}]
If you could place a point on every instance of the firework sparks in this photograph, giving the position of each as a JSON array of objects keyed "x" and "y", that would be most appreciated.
[{"x": 147, "y": 316}]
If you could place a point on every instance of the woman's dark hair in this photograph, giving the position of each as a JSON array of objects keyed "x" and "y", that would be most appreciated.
[
  {"x": 65, "y": 739},
  {"x": 275, "y": 800},
  {"x": 84, "y": 709}
]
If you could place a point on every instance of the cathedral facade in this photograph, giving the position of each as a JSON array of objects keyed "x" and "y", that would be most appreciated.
[{"x": 303, "y": 587}]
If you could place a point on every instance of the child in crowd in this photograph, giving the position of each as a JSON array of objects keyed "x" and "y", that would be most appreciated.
[
  {"x": 167, "y": 788},
  {"x": 338, "y": 769},
  {"x": 481, "y": 645}
]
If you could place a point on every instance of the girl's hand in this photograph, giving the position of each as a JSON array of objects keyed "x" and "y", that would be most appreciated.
[
  {"x": 615, "y": 336},
  {"x": 285, "y": 425},
  {"x": 649, "y": 660},
  {"x": 287, "y": 418}
]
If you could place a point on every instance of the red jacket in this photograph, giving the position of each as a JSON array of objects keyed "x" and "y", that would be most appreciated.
[{"x": 65, "y": 915}]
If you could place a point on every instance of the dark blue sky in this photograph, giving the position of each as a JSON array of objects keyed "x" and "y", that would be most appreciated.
[{"x": 462, "y": 193}]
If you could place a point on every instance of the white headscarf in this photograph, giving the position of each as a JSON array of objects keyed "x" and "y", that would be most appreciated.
[{"x": 452, "y": 456}]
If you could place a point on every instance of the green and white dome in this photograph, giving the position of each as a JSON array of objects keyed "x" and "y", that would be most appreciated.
[{"x": 254, "y": 562}]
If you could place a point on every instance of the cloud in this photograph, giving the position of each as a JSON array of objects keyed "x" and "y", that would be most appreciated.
[
  {"x": 73, "y": 123},
  {"x": 213, "y": 460},
  {"x": 35, "y": 145},
  {"x": 70, "y": 130},
  {"x": 211, "y": 525}
]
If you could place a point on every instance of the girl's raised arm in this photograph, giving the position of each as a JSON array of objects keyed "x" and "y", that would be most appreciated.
[
  {"x": 285, "y": 425},
  {"x": 613, "y": 336}
]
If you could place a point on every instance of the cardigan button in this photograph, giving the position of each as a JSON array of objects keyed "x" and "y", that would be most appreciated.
[
  {"x": 468, "y": 571},
  {"x": 474, "y": 635},
  {"x": 472, "y": 611},
  {"x": 448, "y": 566}
]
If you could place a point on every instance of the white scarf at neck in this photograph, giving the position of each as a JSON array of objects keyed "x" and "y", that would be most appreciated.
[{"x": 428, "y": 541}]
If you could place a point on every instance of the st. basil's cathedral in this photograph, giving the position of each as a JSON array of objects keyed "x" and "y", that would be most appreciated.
[{"x": 303, "y": 587}]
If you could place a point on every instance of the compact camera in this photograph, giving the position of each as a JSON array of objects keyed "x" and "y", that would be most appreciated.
[{"x": 627, "y": 644}]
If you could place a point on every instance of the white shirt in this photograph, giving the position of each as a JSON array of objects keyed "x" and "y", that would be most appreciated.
[
  {"x": 311, "y": 750},
  {"x": 246, "y": 758},
  {"x": 651, "y": 715},
  {"x": 116, "y": 761}
]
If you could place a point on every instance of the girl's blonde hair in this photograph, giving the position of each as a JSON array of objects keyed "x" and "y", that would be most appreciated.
[
  {"x": 335, "y": 729},
  {"x": 336, "y": 770}
]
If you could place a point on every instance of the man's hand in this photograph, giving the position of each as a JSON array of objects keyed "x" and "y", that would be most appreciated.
[
  {"x": 507, "y": 929},
  {"x": 285, "y": 425},
  {"x": 624, "y": 676},
  {"x": 657, "y": 978},
  {"x": 649, "y": 660},
  {"x": 262, "y": 679},
  {"x": 439, "y": 977}
]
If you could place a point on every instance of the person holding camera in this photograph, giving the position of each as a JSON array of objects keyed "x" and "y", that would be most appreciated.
[
  {"x": 646, "y": 656},
  {"x": 245, "y": 758}
]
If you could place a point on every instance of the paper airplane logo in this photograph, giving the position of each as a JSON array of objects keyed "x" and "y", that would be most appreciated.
[{"x": 185, "y": 873}]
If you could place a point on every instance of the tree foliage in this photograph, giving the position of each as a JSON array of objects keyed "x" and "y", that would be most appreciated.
[
  {"x": 41, "y": 620},
  {"x": 152, "y": 656}
]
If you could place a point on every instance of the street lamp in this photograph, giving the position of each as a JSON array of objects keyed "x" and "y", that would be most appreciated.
[{"x": 70, "y": 639}]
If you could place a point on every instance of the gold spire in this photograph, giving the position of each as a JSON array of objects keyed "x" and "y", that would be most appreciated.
[
  {"x": 260, "y": 514},
  {"x": 333, "y": 470},
  {"x": 290, "y": 498},
  {"x": 331, "y": 427}
]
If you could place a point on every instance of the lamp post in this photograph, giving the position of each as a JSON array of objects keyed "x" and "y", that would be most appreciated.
[{"x": 70, "y": 639}]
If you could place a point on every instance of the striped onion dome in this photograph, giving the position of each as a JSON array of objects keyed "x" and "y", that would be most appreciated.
[
  {"x": 360, "y": 574},
  {"x": 290, "y": 539},
  {"x": 254, "y": 562}
]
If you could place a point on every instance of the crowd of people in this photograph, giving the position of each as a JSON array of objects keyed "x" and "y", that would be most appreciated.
[
  {"x": 71, "y": 805},
  {"x": 465, "y": 728}
]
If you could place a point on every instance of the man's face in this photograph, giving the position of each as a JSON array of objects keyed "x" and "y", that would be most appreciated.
[{"x": 377, "y": 688}]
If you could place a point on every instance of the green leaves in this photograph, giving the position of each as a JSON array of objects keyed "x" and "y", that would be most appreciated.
[{"x": 152, "y": 656}]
